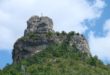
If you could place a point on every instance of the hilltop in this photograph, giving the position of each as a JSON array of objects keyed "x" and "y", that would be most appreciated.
[
  {"x": 42, "y": 51},
  {"x": 39, "y": 34}
]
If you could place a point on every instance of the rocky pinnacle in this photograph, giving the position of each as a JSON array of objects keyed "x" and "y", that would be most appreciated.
[{"x": 39, "y": 34}]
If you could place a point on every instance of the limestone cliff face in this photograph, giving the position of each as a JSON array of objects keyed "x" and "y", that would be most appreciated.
[{"x": 40, "y": 34}]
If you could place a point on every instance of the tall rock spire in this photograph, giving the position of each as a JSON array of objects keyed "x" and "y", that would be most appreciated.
[{"x": 38, "y": 24}]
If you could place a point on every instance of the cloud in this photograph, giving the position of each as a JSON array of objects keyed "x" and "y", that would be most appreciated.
[
  {"x": 100, "y": 46},
  {"x": 67, "y": 15},
  {"x": 7, "y": 37},
  {"x": 107, "y": 26}
]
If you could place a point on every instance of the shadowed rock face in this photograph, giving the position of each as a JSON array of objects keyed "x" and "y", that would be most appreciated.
[{"x": 39, "y": 34}]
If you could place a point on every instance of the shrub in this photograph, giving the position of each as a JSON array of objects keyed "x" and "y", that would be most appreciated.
[
  {"x": 63, "y": 33},
  {"x": 30, "y": 35},
  {"x": 49, "y": 34},
  {"x": 71, "y": 33},
  {"x": 57, "y": 33}
]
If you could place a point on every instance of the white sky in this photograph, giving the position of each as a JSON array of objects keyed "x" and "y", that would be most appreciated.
[{"x": 67, "y": 15}]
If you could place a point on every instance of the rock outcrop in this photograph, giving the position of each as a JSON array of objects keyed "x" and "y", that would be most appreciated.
[
  {"x": 39, "y": 25},
  {"x": 40, "y": 34}
]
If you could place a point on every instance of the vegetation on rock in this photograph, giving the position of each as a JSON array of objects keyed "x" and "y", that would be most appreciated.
[
  {"x": 42, "y": 51},
  {"x": 58, "y": 59}
]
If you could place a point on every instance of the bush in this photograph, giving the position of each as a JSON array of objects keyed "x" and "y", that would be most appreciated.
[
  {"x": 63, "y": 33},
  {"x": 77, "y": 34},
  {"x": 49, "y": 34},
  {"x": 57, "y": 33},
  {"x": 71, "y": 33},
  {"x": 30, "y": 35}
]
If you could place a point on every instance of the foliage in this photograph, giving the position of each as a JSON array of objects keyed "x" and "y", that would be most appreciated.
[
  {"x": 64, "y": 33},
  {"x": 77, "y": 34},
  {"x": 58, "y": 59},
  {"x": 57, "y": 33},
  {"x": 71, "y": 33},
  {"x": 30, "y": 35},
  {"x": 49, "y": 34}
]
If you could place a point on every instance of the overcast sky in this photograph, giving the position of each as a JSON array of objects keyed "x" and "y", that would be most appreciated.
[{"x": 89, "y": 17}]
